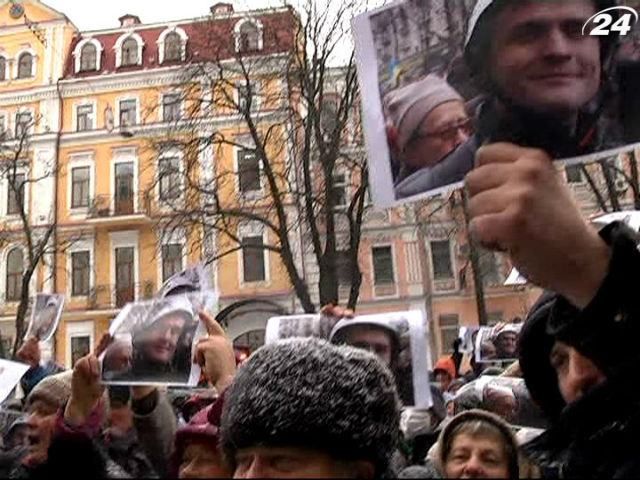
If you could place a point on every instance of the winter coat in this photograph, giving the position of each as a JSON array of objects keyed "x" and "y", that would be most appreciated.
[
  {"x": 156, "y": 425},
  {"x": 596, "y": 436},
  {"x": 126, "y": 451},
  {"x": 74, "y": 451}
]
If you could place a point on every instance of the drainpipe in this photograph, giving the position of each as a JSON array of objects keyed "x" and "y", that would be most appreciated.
[{"x": 55, "y": 206}]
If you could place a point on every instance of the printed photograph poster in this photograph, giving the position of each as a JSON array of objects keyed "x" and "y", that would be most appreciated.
[
  {"x": 399, "y": 339},
  {"x": 10, "y": 374},
  {"x": 45, "y": 316},
  {"x": 154, "y": 341},
  {"x": 431, "y": 96}
]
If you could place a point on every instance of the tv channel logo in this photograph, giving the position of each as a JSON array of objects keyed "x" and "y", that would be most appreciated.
[{"x": 605, "y": 23}]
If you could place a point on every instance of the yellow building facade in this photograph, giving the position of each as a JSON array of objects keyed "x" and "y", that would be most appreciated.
[{"x": 103, "y": 100}]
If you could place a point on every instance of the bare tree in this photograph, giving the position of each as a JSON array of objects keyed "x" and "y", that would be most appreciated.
[
  {"x": 34, "y": 239},
  {"x": 291, "y": 118}
]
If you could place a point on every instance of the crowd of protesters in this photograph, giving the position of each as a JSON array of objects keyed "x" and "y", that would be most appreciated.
[{"x": 567, "y": 406}]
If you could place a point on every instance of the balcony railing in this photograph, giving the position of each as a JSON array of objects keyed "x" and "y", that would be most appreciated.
[
  {"x": 109, "y": 297},
  {"x": 110, "y": 206}
]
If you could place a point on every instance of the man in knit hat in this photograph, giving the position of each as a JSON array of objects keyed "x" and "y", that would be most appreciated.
[
  {"x": 304, "y": 408},
  {"x": 427, "y": 121}
]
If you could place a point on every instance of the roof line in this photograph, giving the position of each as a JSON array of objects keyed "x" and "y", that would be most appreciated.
[{"x": 148, "y": 26}]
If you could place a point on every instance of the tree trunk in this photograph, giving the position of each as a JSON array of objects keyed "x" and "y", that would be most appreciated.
[
  {"x": 354, "y": 291},
  {"x": 611, "y": 185},
  {"x": 22, "y": 312},
  {"x": 328, "y": 284},
  {"x": 299, "y": 285},
  {"x": 475, "y": 267},
  {"x": 602, "y": 203}
]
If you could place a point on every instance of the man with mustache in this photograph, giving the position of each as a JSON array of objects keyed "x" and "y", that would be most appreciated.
[{"x": 544, "y": 82}]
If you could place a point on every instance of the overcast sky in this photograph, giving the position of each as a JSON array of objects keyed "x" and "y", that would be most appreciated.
[{"x": 99, "y": 14}]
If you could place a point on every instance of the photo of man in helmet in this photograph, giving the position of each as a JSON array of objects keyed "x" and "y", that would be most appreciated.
[
  {"x": 526, "y": 72},
  {"x": 160, "y": 347}
]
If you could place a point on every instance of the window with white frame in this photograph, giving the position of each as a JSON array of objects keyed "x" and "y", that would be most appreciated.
[
  {"x": 3, "y": 68},
  {"x": 339, "y": 190},
  {"x": 449, "y": 330},
  {"x": 329, "y": 115},
  {"x": 129, "y": 54},
  {"x": 171, "y": 107},
  {"x": 15, "y": 270},
  {"x": 249, "y": 37},
  {"x": 79, "y": 339},
  {"x": 172, "y": 47},
  {"x": 248, "y": 171},
  {"x": 253, "y": 258},
  {"x": 88, "y": 57},
  {"x": 16, "y": 187},
  {"x": 489, "y": 268},
  {"x": 3, "y": 126},
  {"x": 246, "y": 98},
  {"x": 25, "y": 65},
  {"x": 169, "y": 178},
  {"x": 128, "y": 112},
  {"x": 80, "y": 347},
  {"x": 441, "y": 260},
  {"x": 171, "y": 260},
  {"x": 24, "y": 122},
  {"x": 574, "y": 174},
  {"x": 383, "y": 270},
  {"x": 80, "y": 187},
  {"x": 84, "y": 118},
  {"x": 80, "y": 273}
]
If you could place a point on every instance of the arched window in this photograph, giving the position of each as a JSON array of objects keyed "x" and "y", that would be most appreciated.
[
  {"x": 88, "y": 58},
  {"x": 25, "y": 65},
  {"x": 172, "y": 47},
  {"x": 15, "y": 269},
  {"x": 249, "y": 37},
  {"x": 3, "y": 69},
  {"x": 129, "y": 52}
]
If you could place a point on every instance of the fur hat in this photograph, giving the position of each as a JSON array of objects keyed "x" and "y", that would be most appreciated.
[
  {"x": 309, "y": 393},
  {"x": 54, "y": 390},
  {"x": 410, "y": 105}
]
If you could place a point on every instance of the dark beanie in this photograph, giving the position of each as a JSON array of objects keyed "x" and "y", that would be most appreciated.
[
  {"x": 311, "y": 394},
  {"x": 535, "y": 345}
]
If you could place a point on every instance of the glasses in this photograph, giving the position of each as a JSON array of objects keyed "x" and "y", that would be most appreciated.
[{"x": 448, "y": 133}]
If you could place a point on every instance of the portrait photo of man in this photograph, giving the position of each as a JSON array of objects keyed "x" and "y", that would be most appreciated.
[
  {"x": 159, "y": 346},
  {"x": 525, "y": 73}
]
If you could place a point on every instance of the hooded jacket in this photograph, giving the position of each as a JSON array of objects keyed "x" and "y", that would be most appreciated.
[{"x": 595, "y": 436}]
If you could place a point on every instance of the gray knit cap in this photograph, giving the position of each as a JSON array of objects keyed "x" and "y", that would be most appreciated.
[
  {"x": 309, "y": 393},
  {"x": 410, "y": 105},
  {"x": 55, "y": 390}
]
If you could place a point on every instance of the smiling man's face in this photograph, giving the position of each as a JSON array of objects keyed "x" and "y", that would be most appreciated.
[{"x": 540, "y": 59}]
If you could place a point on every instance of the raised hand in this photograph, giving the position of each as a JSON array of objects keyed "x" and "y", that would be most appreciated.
[
  {"x": 519, "y": 204},
  {"x": 214, "y": 353},
  {"x": 86, "y": 390}
]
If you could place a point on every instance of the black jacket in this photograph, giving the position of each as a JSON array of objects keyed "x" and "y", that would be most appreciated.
[{"x": 596, "y": 436}]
